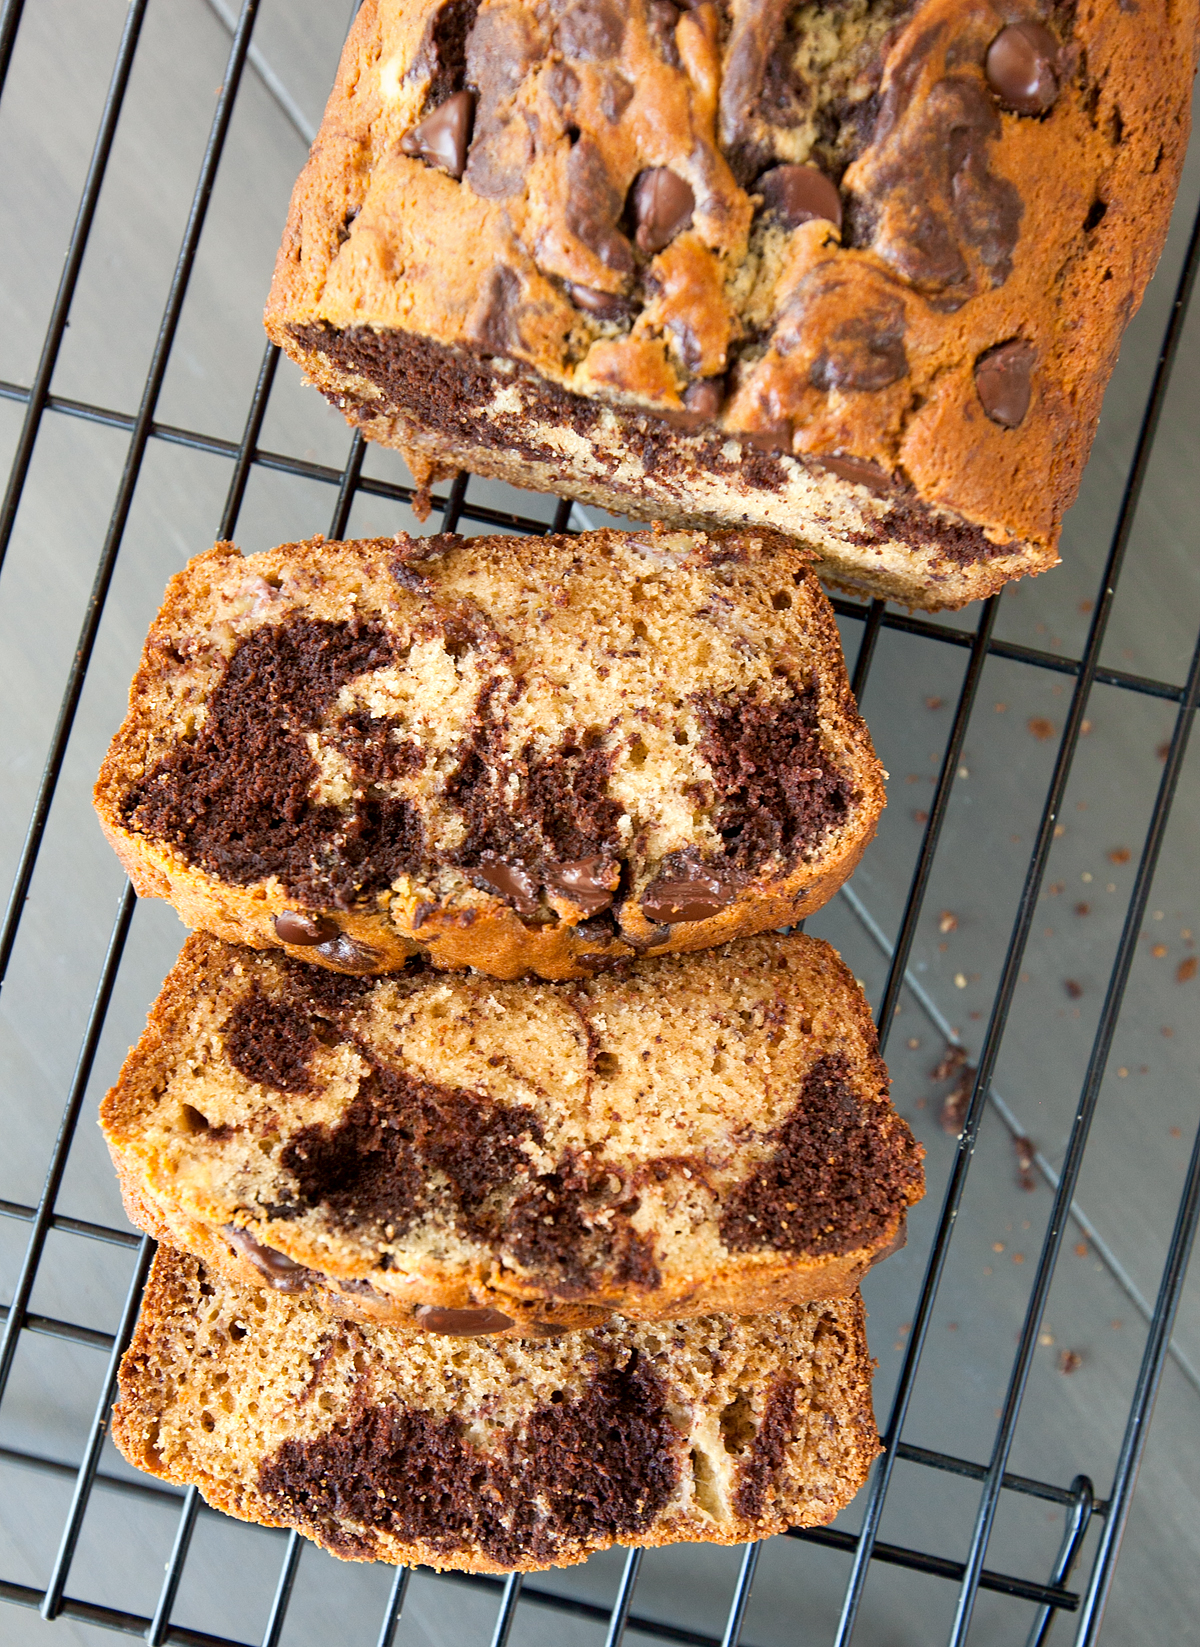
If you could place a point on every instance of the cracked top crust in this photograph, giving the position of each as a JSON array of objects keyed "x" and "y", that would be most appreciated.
[{"x": 620, "y": 197}]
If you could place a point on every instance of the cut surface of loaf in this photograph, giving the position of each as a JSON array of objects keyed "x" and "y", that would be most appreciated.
[
  {"x": 495, "y": 1455},
  {"x": 705, "y": 1132},
  {"x": 520, "y": 754},
  {"x": 856, "y": 272}
]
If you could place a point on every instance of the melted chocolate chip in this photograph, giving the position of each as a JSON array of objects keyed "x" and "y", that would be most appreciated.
[
  {"x": 772, "y": 437},
  {"x": 590, "y": 1468},
  {"x": 704, "y": 398},
  {"x": 592, "y": 30},
  {"x": 1022, "y": 68},
  {"x": 593, "y": 208},
  {"x": 442, "y": 52},
  {"x": 512, "y": 882},
  {"x": 836, "y": 1180},
  {"x": 1002, "y": 381},
  {"x": 442, "y": 138},
  {"x": 599, "y": 929},
  {"x": 691, "y": 896},
  {"x": 293, "y": 927},
  {"x": 589, "y": 884},
  {"x": 493, "y": 325},
  {"x": 661, "y": 19},
  {"x": 460, "y": 1323},
  {"x": 795, "y": 194},
  {"x": 276, "y": 1268},
  {"x": 362, "y": 1289},
  {"x": 604, "y": 305},
  {"x": 350, "y": 954},
  {"x": 662, "y": 204},
  {"x": 928, "y": 201},
  {"x": 270, "y": 1042},
  {"x": 859, "y": 472},
  {"x": 616, "y": 94},
  {"x": 864, "y": 350}
]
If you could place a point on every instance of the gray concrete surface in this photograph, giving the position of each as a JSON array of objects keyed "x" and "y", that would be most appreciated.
[{"x": 1148, "y": 1109}]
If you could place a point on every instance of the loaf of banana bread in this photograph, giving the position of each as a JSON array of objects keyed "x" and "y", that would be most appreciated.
[
  {"x": 495, "y": 1455},
  {"x": 856, "y": 271},
  {"x": 704, "y": 1132},
  {"x": 520, "y": 754}
]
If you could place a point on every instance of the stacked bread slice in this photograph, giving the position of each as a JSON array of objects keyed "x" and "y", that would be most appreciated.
[{"x": 515, "y": 1179}]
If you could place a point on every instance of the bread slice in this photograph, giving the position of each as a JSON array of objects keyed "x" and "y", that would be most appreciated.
[
  {"x": 704, "y": 1132},
  {"x": 494, "y": 1455},
  {"x": 519, "y": 754}
]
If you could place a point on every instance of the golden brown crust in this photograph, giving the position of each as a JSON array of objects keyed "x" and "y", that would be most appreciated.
[
  {"x": 816, "y": 1012},
  {"x": 472, "y": 927},
  {"x": 216, "y": 1379},
  {"x": 1076, "y": 202}
]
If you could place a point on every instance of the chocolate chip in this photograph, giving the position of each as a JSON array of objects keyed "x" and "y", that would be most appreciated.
[
  {"x": 349, "y": 954},
  {"x": 443, "y": 136},
  {"x": 291, "y": 927},
  {"x": 276, "y": 1268},
  {"x": 460, "y": 1323},
  {"x": 592, "y": 30},
  {"x": 1002, "y": 382},
  {"x": 593, "y": 207},
  {"x": 362, "y": 1289},
  {"x": 692, "y": 897},
  {"x": 562, "y": 87},
  {"x": 616, "y": 94},
  {"x": 927, "y": 198},
  {"x": 492, "y": 326},
  {"x": 795, "y": 194},
  {"x": 772, "y": 437},
  {"x": 662, "y": 205},
  {"x": 604, "y": 305},
  {"x": 511, "y": 881},
  {"x": 703, "y": 399},
  {"x": 859, "y": 472},
  {"x": 661, "y": 19},
  {"x": 589, "y": 883},
  {"x": 1022, "y": 68},
  {"x": 599, "y": 929},
  {"x": 864, "y": 350}
]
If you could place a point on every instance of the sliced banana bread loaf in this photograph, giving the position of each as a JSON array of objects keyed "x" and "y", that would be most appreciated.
[
  {"x": 518, "y": 754},
  {"x": 857, "y": 271},
  {"x": 704, "y": 1132},
  {"x": 494, "y": 1455}
]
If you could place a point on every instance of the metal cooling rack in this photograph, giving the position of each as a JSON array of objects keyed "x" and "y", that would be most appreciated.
[{"x": 1083, "y": 1504}]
